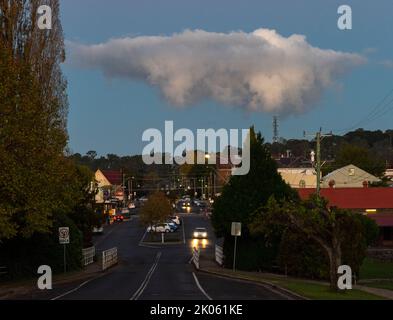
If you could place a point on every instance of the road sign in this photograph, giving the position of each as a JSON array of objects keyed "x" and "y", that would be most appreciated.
[
  {"x": 236, "y": 229},
  {"x": 64, "y": 235}
]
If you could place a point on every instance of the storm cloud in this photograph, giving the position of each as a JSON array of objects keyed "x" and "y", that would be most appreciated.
[{"x": 257, "y": 71}]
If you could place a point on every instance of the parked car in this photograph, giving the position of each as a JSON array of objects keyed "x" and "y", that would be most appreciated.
[
  {"x": 172, "y": 225},
  {"x": 118, "y": 218},
  {"x": 200, "y": 233},
  {"x": 176, "y": 220},
  {"x": 160, "y": 227},
  {"x": 98, "y": 230}
]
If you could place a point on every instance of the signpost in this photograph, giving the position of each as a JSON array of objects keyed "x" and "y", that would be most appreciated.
[
  {"x": 236, "y": 231},
  {"x": 64, "y": 238}
]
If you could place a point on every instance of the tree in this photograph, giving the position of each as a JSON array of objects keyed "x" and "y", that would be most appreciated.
[
  {"x": 360, "y": 157},
  {"x": 242, "y": 195},
  {"x": 156, "y": 209},
  {"x": 33, "y": 106},
  {"x": 331, "y": 228}
]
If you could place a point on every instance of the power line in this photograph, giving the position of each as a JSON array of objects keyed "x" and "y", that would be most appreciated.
[{"x": 374, "y": 113}]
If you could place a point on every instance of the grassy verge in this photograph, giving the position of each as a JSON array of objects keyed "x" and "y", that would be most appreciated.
[
  {"x": 307, "y": 289},
  {"x": 373, "y": 269}
]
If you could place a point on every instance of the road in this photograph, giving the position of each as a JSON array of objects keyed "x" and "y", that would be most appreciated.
[{"x": 157, "y": 272}]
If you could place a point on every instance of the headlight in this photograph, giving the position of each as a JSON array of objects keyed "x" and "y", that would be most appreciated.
[
  {"x": 195, "y": 234},
  {"x": 204, "y": 234}
]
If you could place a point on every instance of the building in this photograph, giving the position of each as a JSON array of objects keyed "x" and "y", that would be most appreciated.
[
  {"x": 109, "y": 184},
  {"x": 299, "y": 177},
  {"x": 348, "y": 177},
  {"x": 376, "y": 203}
]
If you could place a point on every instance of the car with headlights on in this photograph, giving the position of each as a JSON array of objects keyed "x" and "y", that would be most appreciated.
[{"x": 199, "y": 233}]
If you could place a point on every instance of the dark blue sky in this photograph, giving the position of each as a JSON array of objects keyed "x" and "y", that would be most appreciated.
[{"x": 109, "y": 116}]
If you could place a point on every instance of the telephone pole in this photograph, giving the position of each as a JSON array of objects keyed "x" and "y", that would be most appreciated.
[{"x": 318, "y": 138}]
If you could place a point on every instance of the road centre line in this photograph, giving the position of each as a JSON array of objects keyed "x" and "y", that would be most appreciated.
[{"x": 145, "y": 282}]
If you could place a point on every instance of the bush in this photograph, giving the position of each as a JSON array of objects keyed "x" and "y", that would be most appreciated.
[{"x": 24, "y": 256}]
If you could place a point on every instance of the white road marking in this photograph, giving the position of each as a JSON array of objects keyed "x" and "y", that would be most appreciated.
[
  {"x": 143, "y": 237},
  {"x": 200, "y": 287},
  {"x": 145, "y": 282},
  {"x": 77, "y": 288}
]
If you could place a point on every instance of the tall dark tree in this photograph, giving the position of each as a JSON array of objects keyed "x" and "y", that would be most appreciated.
[
  {"x": 246, "y": 193},
  {"x": 33, "y": 107}
]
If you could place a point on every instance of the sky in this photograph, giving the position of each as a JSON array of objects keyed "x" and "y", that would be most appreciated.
[{"x": 131, "y": 65}]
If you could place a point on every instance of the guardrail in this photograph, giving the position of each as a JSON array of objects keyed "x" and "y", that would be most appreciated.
[
  {"x": 88, "y": 255},
  {"x": 109, "y": 258},
  {"x": 195, "y": 257},
  {"x": 219, "y": 254}
]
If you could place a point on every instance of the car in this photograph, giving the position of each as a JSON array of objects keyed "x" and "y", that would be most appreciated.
[
  {"x": 172, "y": 225},
  {"x": 118, "y": 218},
  {"x": 126, "y": 213},
  {"x": 160, "y": 227},
  {"x": 176, "y": 220},
  {"x": 200, "y": 233},
  {"x": 98, "y": 230}
]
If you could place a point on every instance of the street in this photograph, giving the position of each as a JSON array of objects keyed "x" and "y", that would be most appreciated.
[{"x": 157, "y": 272}]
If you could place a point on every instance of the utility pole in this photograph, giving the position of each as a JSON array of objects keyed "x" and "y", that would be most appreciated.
[{"x": 318, "y": 138}]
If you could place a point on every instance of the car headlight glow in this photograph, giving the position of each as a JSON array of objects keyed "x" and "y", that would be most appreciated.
[
  {"x": 204, "y": 234},
  {"x": 196, "y": 234}
]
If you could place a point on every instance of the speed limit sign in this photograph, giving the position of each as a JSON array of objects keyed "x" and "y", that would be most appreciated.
[{"x": 64, "y": 235}]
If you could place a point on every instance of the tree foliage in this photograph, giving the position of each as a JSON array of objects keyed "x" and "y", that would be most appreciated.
[
  {"x": 156, "y": 209},
  {"x": 341, "y": 235},
  {"x": 33, "y": 106},
  {"x": 245, "y": 193}
]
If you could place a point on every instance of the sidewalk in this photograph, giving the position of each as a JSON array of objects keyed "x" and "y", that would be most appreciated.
[{"x": 24, "y": 287}]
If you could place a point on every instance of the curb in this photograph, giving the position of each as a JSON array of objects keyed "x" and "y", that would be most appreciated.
[{"x": 282, "y": 290}]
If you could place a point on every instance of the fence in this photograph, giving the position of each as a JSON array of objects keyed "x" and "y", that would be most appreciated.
[
  {"x": 195, "y": 257},
  {"x": 88, "y": 255},
  {"x": 109, "y": 258},
  {"x": 219, "y": 253}
]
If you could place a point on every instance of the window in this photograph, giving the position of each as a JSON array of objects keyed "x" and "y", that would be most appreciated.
[
  {"x": 351, "y": 171},
  {"x": 302, "y": 184}
]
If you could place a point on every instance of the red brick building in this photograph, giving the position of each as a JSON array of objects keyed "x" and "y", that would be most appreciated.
[{"x": 376, "y": 203}]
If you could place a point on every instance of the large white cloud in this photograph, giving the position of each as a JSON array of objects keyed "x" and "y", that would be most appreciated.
[{"x": 258, "y": 71}]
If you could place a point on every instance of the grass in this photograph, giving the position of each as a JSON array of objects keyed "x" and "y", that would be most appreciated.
[
  {"x": 373, "y": 269},
  {"x": 316, "y": 291},
  {"x": 308, "y": 289}
]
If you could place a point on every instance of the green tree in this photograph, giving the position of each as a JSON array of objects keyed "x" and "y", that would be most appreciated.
[
  {"x": 358, "y": 156},
  {"x": 340, "y": 234},
  {"x": 156, "y": 209},
  {"x": 33, "y": 106},
  {"x": 242, "y": 195}
]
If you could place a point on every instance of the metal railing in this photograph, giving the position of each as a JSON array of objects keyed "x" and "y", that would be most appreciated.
[
  {"x": 195, "y": 257},
  {"x": 219, "y": 254},
  {"x": 109, "y": 258},
  {"x": 88, "y": 255}
]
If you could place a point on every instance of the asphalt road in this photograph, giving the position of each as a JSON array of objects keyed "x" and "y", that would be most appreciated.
[{"x": 157, "y": 272}]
